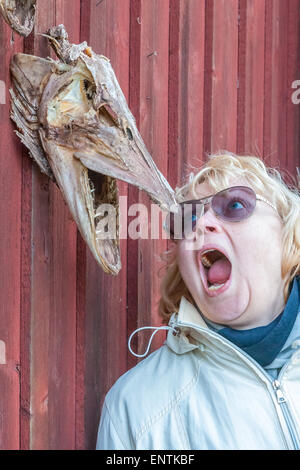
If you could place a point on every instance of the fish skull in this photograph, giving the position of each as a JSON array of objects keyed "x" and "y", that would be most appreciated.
[{"x": 74, "y": 119}]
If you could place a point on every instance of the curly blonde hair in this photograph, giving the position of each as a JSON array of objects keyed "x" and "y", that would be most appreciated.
[{"x": 218, "y": 171}]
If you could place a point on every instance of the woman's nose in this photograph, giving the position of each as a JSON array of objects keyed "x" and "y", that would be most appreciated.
[{"x": 209, "y": 223}]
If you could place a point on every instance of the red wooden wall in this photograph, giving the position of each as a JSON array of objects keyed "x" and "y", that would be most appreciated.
[{"x": 199, "y": 75}]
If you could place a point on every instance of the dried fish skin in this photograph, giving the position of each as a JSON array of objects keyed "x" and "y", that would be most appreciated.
[
  {"x": 69, "y": 174},
  {"x": 111, "y": 125},
  {"x": 75, "y": 121},
  {"x": 26, "y": 96},
  {"x": 19, "y": 14}
]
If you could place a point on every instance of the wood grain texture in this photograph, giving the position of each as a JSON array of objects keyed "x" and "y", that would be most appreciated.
[
  {"x": 186, "y": 88},
  {"x": 133, "y": 193},
  {"x": 199, "y": 76},
  {"x": 276, "y": 90},
  {"x": 10, "y": 254},
  {"x": 293, "y": 110},
  {"x": 105, "y": 26},
  {"x": 153, "y": 120},
  {"x": 53, "y": 287},
  {"x": 251, "y": 55},
  {"x": 221, "y": 80}
]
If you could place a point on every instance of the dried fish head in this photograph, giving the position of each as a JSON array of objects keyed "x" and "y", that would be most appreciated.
[
  {"x": 19, "y": 14},
  {"x": 73, "y": 117}
]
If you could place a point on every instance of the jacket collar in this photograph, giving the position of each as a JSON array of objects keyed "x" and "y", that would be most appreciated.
[
  {"x": 195, "y": 333},
  {"x": 188, "y": 320},
  {"x": 189, "y": 314}
]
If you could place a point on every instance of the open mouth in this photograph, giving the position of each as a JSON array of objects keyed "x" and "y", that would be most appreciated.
[
  {"x": 104, "y": 191},
  {"x": 216, "y": 270}
]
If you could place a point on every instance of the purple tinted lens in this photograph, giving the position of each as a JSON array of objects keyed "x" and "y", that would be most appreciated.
[
  {"x": 234, "y": 204},
  {"x": 181, "y": 225}
]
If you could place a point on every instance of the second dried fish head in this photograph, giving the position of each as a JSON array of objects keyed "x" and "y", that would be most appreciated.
[{"x": 19, "y": 14}]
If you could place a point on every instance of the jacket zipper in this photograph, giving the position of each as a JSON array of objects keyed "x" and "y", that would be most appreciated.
[
  {"x": 286, "y": 413},
  {"x": 280, "y": 398}
]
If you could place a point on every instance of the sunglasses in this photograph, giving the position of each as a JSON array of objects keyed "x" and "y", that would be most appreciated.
[{"x": 232, "y": 205}]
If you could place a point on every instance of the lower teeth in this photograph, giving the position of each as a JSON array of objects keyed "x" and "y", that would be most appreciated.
[{"x": 216, "y": 286}]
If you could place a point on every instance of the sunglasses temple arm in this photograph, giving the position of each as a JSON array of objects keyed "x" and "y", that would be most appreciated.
[{"x": 261, "y": 198}]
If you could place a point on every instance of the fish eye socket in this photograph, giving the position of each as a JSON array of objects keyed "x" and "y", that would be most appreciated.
[
  {"x": 129, "y": 133},
  {"x": 89, "y": 89}
]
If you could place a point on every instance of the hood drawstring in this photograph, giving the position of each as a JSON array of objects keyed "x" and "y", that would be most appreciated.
[{"x": 156, "y": 328}]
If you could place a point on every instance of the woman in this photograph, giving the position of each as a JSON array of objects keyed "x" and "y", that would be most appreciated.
[{"x": 228, "y": 375}]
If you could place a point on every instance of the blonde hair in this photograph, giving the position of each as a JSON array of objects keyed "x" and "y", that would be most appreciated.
[{"x": 218, "y": 171}]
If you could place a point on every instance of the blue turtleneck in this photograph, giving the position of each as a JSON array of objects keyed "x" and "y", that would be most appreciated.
[{"x": 265, "y": 342}]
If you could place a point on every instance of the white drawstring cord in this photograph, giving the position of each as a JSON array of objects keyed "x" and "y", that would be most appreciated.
[{"x": 156, "y": 328}]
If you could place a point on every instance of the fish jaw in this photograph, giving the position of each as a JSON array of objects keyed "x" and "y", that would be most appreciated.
[{"x": 74, "y": 182}]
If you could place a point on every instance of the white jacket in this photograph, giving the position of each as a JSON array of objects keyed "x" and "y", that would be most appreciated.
[{"x": 199, "y": 391}]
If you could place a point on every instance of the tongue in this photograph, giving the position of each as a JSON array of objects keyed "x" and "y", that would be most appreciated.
[{"x": 219, "y": 272}]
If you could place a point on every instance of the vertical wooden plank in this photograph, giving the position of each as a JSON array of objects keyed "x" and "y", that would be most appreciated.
[
  {"x": 40, "y": 313},
  {"x": 186, "y": 87},
  {"x": 41, "y": 275},
  {"x": 276, "y": 91},
  {"x": 221, "y": 79},
  {"x": 105, "y": 25},
  {"x": 62, "y": 347},
  {"x": 293, "y": 73},
  {"x": 251, "y": 77},
  {"x": 53, "y": 315},
  {"x": 80, "y": 345},
  {"x": 67, "y": 12},
  {"x": 133, "y": 192},
  {"x": 174, "y": 162},
  {"x": 154, "y": 129},
  {"x": 25, "y": 311},
  {"x": 10, "y": 250},
  {"x": 80, "y": 432}
]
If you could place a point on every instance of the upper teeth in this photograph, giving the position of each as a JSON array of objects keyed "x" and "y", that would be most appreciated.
[{"x": 205, "y": 260}]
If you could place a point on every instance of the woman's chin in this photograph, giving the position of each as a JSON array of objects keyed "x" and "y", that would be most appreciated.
[{"x": 230, "y": 312}]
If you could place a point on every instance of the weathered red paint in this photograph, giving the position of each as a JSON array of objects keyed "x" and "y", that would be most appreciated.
[
  {"x": 133, "y": 192},
  {"x": 276, "y": 86},
  {"x": 186, "y": 87},
  {"x": 221, "y": 75},
  {"x": 293, "y": 67},
  {"x": 10, "y": 255},
  {"x": 153, "y": 122},
  {"x": 198, "y": 76},
  {"x": 107, "y": 31},
  {"x": 251, "y": 77},
  {"x": 53, "y": 290}
]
